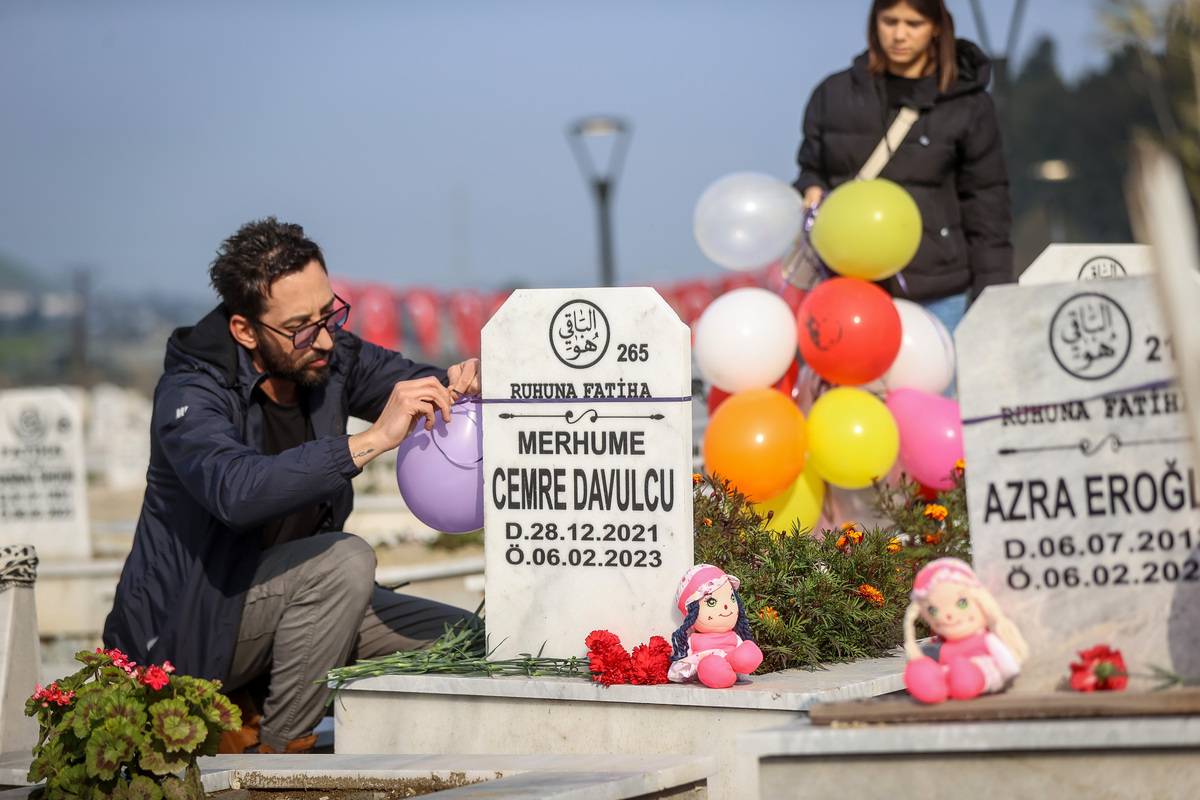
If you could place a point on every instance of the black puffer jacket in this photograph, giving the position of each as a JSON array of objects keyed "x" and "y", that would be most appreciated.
[{"x": 951, "y": 162}]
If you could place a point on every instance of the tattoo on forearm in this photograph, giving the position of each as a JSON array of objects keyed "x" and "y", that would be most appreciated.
[{"x": 362, "y": 453}]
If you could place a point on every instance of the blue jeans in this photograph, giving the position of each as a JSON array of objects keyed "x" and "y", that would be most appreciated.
[{"x": 949, "y": 310}]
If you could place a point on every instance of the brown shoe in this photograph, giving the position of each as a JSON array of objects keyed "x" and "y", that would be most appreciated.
[
  {"x": 304, "y": 744},
  {"x": 246, "y": 739}
]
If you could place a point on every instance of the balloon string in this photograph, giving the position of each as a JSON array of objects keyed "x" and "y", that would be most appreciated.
[
  {"x": 446, "y": 455},
  {"x": 1141, "y": 387}
]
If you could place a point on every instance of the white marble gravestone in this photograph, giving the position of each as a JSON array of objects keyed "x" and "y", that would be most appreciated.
[
  {"x": 587, "y": 451},
  {"x": 43, "y": 499},
  {"x": 20, "y": 649},
  {"x": 1064, "y": 263},
  {"x": 1082, "y": 490}
]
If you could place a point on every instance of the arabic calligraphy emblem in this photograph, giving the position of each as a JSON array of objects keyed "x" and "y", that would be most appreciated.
[
  {"x": 579, "y": 334},
  {"x": 1090, "y": 336},
  {"x": 1101, "y": 267}
]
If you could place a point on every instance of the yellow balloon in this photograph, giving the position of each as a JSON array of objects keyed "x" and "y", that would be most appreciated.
[
  {"x": 868, "y": 229},
  {"x": 799, "y": 503},
  {"x": 852, "y": 437}
]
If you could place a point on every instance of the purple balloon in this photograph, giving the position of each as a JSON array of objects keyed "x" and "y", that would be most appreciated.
[{"x": 440, "y": 472}]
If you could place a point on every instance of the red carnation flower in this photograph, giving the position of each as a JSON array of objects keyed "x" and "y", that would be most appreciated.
[
  {"x": 607, "y": 659},
  {"x": 1099, "y": 669},
  {"x": 650, "y": 662}
]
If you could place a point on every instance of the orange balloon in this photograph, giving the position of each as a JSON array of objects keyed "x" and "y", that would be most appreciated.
[{"x": 756, "y": 439}]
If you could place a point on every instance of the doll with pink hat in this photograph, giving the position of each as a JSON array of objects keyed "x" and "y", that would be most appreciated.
[
  {"x": 713, "y": 645},
  {"x": 981, "y": 649}
]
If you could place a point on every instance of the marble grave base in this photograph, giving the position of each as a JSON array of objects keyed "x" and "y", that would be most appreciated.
[{"x": 554, "y": 716}]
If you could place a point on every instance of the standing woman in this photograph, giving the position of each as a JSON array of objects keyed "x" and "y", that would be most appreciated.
[{"x": 951, "y": 161}]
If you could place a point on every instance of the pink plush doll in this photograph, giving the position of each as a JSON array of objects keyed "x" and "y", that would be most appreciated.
[
  {"x": 981, "y": 649},
  {"x": 713, "y": 644}
]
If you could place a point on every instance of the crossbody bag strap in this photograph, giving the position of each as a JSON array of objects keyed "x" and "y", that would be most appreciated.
[{"x": 891, "y": 140}]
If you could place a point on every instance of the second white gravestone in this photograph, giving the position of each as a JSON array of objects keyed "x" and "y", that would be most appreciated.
[
  {"x": 1082, "y": 490},
  {"x": 587, "y": 445}
]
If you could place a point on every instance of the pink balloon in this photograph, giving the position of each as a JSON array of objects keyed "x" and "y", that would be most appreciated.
[{"x": 930, "y": 435}]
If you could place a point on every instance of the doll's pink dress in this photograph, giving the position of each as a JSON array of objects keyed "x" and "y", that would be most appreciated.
[
  {"x": 978, "y": 664},
  {"x": 709, "y": 644},
  {"x": 988, "y": 652}
]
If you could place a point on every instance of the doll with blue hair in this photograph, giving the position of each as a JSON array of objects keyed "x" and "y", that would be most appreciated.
[{"x": 714, "y": 644}]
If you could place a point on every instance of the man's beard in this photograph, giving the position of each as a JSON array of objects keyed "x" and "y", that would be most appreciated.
[{"x": 278, "y": 365}]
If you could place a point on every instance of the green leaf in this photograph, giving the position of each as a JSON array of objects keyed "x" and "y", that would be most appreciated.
[
  {"x": 175, "y": 727},
  {"x": 92, "y": 660},
  {"x": 111, "y": 747},
  {"x": 87, "y": 710},
  {"x": 153, "y": 759},
  {"x": 125, "y": 705},
  {"x": 175, "y": 789},
  {"x": 70, "y": 781},
  {"x": 223, "y": 713},
  {"x": 144, "y": 788}
]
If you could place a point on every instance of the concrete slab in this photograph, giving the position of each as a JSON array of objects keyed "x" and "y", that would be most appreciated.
[
  {"x": 1109, "y": 758},
  {"x": 598, "y": 777}
]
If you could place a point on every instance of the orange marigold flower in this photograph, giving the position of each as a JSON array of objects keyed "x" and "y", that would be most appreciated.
[
  {"x": 841, "y": 543},
  {"x": 933, "y": 538},
  {"x": 872, "y": 595},
  {"x": 707, "y": 522},
  {"x": 856, "y": 537},
  {"x": 893, "y": 545},
  {"x": 768, "y": 614},
  {"x": 849, "y": 526},
  {"x": 960, "y": 466},
  {"x": 934, "y": 511},
  {"x": 696, "y": 478}
]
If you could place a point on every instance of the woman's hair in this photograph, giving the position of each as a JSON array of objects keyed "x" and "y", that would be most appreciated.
[
  {"x": 998, "y": 623},
  {"x": 679, "y": 639},
  {"x": 945, "y": 54}
]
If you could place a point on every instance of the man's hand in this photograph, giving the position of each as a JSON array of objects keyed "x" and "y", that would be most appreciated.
[
  {"x": 409, "y": 401},
  {"x": 465, "y": 378}
]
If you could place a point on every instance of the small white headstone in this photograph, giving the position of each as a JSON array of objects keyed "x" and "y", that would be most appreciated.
[
  {"x": 1081, "y": 485},
  {"x": 43, "y": 499},
  {"x": 587, "y": 445},
  {"x": 1066, "y": 263},
  {"x": 118, "y": 436}
]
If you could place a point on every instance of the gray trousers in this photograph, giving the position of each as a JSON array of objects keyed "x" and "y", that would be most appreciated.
[{"x": 314, "y": 606}]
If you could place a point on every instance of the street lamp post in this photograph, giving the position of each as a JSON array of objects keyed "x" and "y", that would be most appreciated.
[{"x": 588, "y": 138}]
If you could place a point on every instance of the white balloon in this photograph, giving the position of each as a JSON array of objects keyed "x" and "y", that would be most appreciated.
[
  {"x": 926, "y": 357},
  {"x": 745, "y": 339},
  {"x": 746, "y": 220}
]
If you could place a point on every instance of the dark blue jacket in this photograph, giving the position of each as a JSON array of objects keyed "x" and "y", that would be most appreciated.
[{"x": 210, "y": 489}]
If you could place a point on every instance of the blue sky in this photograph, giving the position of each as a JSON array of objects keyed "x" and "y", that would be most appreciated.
[{"x": 420, "y": 142}]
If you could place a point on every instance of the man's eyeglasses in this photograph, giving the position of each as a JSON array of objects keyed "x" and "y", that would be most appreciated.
[{"x": 303, "y": 338}]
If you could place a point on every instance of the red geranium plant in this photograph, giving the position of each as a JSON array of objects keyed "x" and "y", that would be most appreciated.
[
  {"x": 115, "y": 729},
  {"x": 611, "y": 664},
  {"x": 1099, "y": 669}
]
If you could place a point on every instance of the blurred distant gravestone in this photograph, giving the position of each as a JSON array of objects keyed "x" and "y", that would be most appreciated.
[
  {"x": 1064, "y": 263},
  {"x": 43, "y": 499},
  {"x": 118, "y": 436}
]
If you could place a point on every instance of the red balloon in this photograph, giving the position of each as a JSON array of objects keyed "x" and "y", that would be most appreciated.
[
  {"x": 786, "y": 385},
  {"x": 849, "y": 331}
]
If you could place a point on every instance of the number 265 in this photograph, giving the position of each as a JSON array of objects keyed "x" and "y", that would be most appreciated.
[{"x": 633, "y": 352}]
